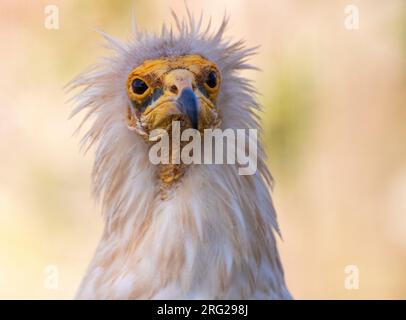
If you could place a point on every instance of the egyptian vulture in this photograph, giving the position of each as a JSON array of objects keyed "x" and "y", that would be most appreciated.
[{"x": 176, "y": 230}]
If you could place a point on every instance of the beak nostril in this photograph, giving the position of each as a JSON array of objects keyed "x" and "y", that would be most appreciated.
[{"x": 174, "y": 89}]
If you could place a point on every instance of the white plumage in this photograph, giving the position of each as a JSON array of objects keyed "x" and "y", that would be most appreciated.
[{"x": 213, "y": 237}]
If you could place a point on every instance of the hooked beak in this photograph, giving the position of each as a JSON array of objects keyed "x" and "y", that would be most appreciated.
[{"x": 188, "y": 104}]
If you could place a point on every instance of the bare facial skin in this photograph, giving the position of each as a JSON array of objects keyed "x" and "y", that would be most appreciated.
[
  {"x": 182, "y": 88},
  {"x": 164, "y": 90}
]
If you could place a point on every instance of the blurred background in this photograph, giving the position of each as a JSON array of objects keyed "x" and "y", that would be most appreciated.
[{"x": 335, "y": 132}]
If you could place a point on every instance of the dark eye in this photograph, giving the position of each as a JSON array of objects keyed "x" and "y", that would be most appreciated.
[
  {"x": 139, "y": 86},
  {"x": 211, "y": 80}
]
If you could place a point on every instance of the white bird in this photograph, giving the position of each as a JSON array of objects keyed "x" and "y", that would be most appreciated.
[{"x": 176, "y": 231}]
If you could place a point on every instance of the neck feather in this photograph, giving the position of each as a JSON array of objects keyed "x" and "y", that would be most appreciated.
[{"x": 214, "y": 230}]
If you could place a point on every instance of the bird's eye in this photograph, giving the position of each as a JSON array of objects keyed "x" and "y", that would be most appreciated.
[
  {"x": 211, "y": 80},
  {"x": 139, "y": 86}
]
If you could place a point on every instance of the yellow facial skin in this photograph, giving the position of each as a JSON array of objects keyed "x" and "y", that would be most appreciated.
[
  {"x": 164, "y": 90},
  {"x": 165, "y": 80}
]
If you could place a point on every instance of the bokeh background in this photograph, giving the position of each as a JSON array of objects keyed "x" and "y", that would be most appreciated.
[{"x": 335, "y": 131}]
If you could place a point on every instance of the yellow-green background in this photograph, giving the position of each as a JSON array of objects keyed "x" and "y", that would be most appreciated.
[{"x": 335, "y": 132}]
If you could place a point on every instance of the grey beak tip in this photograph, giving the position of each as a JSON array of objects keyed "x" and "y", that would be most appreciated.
[{"x": 189, "y": 105}]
